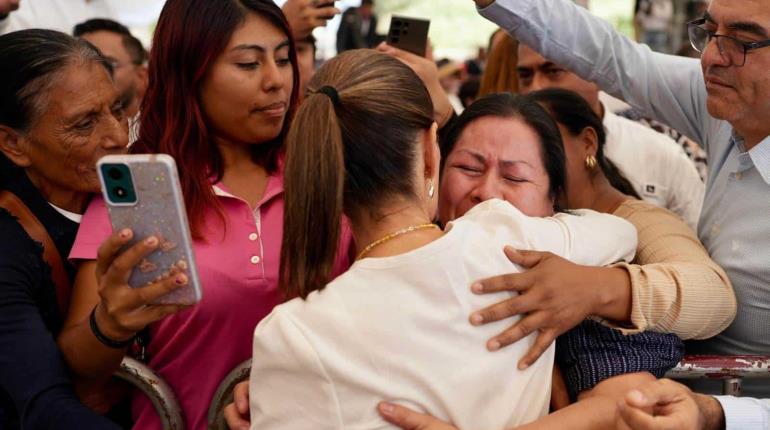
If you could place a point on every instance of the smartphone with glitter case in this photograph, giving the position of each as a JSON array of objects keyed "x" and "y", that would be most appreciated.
[{"x": 142, "y": 192}]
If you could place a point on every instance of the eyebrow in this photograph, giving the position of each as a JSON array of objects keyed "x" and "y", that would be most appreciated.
[
  {"x": 258, "y": 48},
  {"x": 480, "y": 158},
  {"x": 504, "y": 163},
  {"x": 510, "y": 163},
  {"x": 74, "y": 118},
  {"x": 744, "y": 26}
]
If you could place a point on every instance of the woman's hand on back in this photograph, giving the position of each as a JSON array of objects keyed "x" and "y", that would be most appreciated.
[
  {"x": 555, "y": 295},
  {"x": 123, "y": 310},
  {"x": 407, "y": 419},
  {"x": 237, "y": 413}
]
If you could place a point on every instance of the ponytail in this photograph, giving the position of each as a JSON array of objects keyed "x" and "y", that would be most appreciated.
[
  {"x": 352, "y": 146},
  {"x": 314, "y": 182}
]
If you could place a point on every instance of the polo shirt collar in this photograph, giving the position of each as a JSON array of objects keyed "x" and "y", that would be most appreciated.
[{"x": 273, "y": 190}]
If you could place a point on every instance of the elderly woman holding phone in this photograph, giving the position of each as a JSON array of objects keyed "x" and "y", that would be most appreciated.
[{"x": 50, "y": 142}]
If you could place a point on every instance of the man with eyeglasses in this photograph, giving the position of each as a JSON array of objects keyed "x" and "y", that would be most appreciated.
[
  {"x": 725, "y": 104},
  {"x": 128, "y": 59}
]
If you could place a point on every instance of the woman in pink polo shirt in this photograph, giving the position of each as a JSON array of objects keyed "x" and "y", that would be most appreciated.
[{"x": 222, "y": 89}]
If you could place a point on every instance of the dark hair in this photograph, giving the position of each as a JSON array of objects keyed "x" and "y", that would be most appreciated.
[
  {"x": 469, "y": 90},
  {"x": 134, "y": 47},
  {"x": 507, "y": 105},
  {"x": 575, "y": 114},
  {"x": 190, "y": 35},
  {"x": 30, "y": 61},
  {"x": 351, "y": 148}
]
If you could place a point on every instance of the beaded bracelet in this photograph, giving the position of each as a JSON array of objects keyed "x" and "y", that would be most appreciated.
[{"x": 105, "y": 340}]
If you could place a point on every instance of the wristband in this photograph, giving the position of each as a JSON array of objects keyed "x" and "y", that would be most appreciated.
[{"x": 105, "y": 340}]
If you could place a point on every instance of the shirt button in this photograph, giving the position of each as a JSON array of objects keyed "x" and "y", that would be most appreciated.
[
  {"x": 255, "y": 259},
  {"x": 738, "y": 175},
  {"x": 253, "y": 237}
]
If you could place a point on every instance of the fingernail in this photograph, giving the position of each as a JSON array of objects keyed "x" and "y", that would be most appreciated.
[
  {"x": 636, "y": 396},
  {"x": 151, "y": 241},
  {"x": 477, "y": 288},
  {"x": 523, "y": 366},
  {"x": 494, "y": 345},
  {"x": 125, "y": 233},
  {"x": 387, "y": 408},
  {"x": 477, "y": 319},
  {"x": 181, "y": 280}
]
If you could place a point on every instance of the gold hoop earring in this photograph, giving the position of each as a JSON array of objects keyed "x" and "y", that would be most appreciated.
[
  {"x": 431, "y": 189},
  {"x": 591, "y": 162}
]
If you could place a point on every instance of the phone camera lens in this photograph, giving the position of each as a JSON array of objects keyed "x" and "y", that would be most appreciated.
[
  {"x": 119, "y": 191},
  {"x": 115, "y": 174}
]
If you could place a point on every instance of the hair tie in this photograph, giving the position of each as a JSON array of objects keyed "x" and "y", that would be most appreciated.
[{"x": 332, "y": 93}]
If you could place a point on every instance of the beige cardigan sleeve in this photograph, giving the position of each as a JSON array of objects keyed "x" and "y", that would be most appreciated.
[{"x": 675, "y": 286}]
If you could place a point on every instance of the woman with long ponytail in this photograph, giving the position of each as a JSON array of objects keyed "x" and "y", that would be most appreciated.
[{"x": 395, "y": 326}]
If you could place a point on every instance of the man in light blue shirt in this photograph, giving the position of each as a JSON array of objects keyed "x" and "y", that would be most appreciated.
[{"x": 724, "y": 103}]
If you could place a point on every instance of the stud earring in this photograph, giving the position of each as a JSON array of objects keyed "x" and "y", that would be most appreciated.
[{"x": 431, "y": 189}]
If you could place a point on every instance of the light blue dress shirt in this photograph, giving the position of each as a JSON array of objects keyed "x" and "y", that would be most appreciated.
[{"x": 734, "y": 225}]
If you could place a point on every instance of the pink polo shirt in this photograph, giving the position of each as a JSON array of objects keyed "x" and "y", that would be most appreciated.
[{"x": 195, "y": 349}]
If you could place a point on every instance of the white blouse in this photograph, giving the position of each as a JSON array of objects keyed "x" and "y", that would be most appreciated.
[{"x": 396, "y": 328}]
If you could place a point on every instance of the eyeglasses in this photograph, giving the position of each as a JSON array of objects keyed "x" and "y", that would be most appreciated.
[{"x": 731, "y": 48}]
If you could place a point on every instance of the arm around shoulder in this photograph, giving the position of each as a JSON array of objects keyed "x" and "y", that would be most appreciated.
[
  {"x": 597, "y": 239},
  {"x": 583, "y": 236}
]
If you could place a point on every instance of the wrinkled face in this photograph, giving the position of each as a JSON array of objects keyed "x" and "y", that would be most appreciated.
[
  {"x": 306, "y": 63},
  {"x": 537, "y": 73},
  {"x": 126, "y": 73},
  {"x": 82, "y": 121},
  {"x": 738, "y": 94},
  {"x": 247, "y": 90},
  {"x": 495, "y": 158}
]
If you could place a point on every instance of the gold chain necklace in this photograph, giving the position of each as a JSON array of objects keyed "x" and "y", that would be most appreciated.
[{"x": 394, "y": 235}]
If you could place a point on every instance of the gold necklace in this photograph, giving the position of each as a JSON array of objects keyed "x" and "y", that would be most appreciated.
[{"x": 394, "y": 235}]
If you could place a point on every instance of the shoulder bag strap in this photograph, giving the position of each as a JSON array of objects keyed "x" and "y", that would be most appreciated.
[{"x": 38, "y": 233}]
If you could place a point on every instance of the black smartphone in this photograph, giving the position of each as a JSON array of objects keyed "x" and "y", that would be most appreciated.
[{"x": 409, "y": 34}]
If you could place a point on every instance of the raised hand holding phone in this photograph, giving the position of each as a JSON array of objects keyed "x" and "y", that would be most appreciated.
[
  {"x": 123, "y": 310},
  {"x": 409, "y": 34},
  {"x": 306, "y": 15},
  {"x": 143, "y": 194}
]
